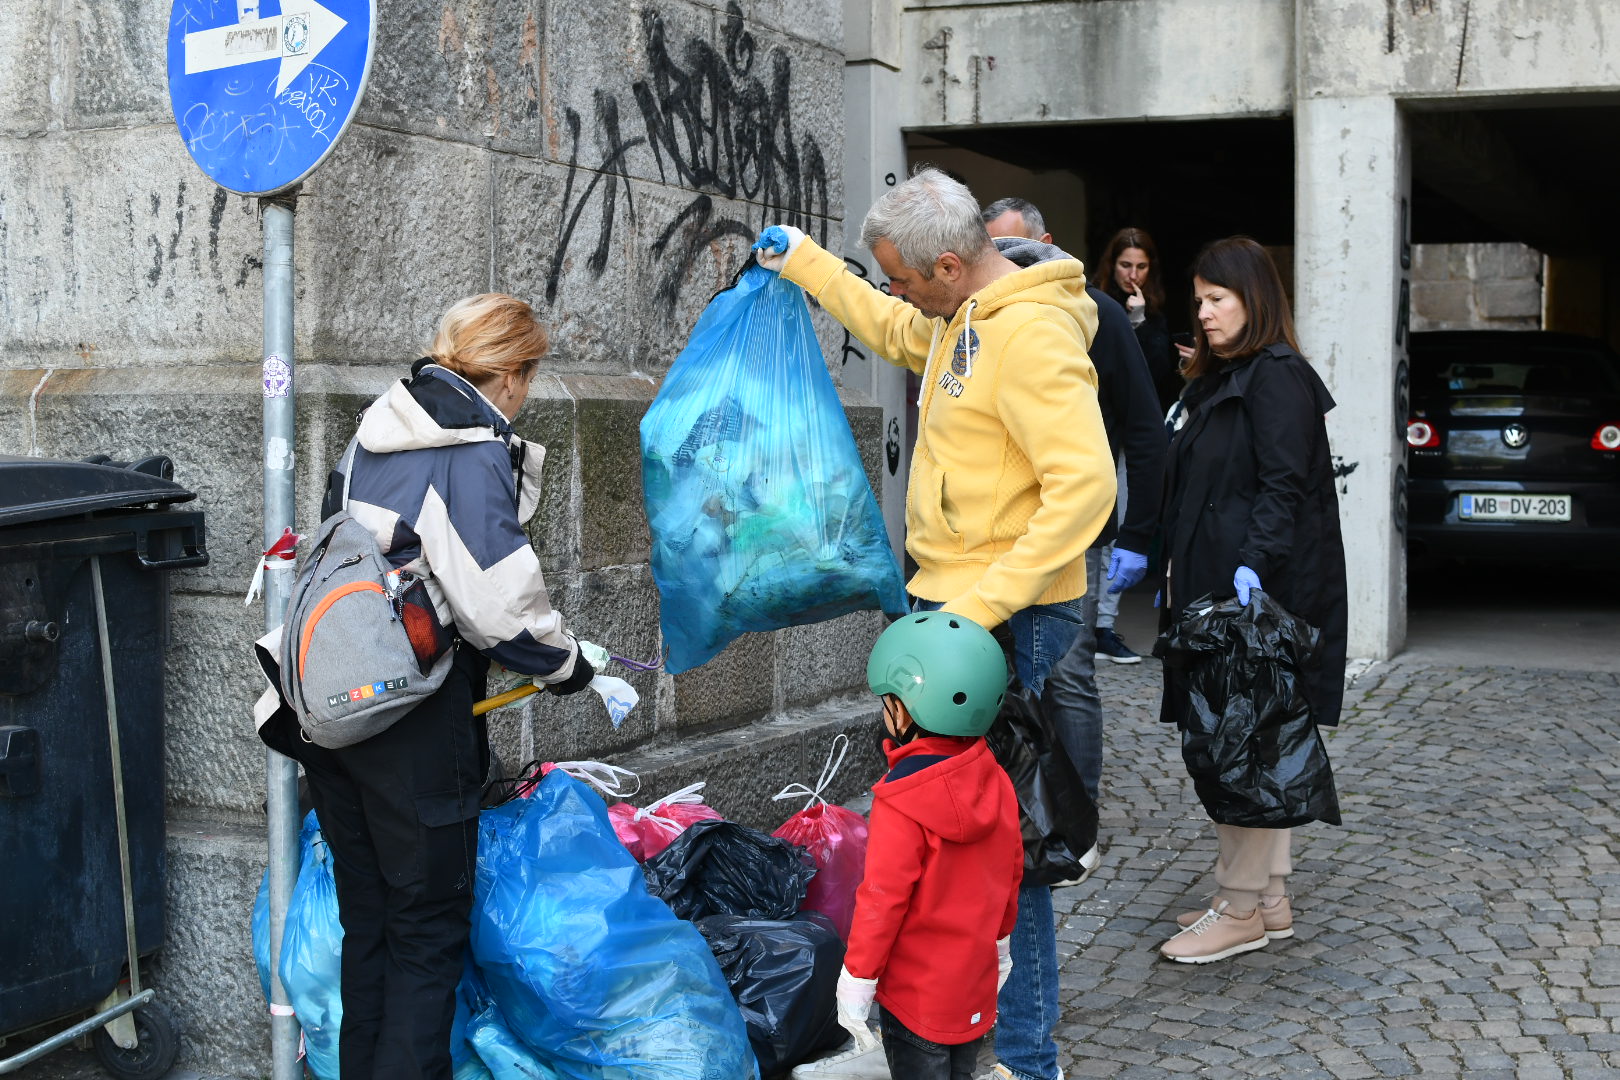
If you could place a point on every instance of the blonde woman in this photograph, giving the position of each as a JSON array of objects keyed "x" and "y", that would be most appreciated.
[{"x": 446, "y": 486}]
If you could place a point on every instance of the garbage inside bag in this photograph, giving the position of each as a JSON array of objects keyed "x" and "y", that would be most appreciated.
[
  {"x": 784, "y": 975},
  {"x": 488, "y": 1041},
  {"x": 723, "y": 868},
  {"x": 1055, "y": 813},
  {"x": 1250, "y": 743},
  {"x": 649, "y": 830},
  {"x": 591, "y": 972},
  {"x": 312, "y": 953},
  {"x": 757, "y": 499}
]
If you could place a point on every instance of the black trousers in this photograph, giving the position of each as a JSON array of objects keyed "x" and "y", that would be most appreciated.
[
  {"x": 913, "y": 1057},
  {"x": 400, "y": 814}
]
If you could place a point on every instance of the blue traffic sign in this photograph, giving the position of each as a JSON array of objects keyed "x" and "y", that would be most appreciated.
[{"x": 263, "y": 89}]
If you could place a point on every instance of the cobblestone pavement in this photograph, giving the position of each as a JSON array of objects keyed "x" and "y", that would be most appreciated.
[{"x": 1460, "y": 923}]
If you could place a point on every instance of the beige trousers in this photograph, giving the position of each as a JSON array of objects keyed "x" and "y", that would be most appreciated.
[{"x": 1252, "y": 862}]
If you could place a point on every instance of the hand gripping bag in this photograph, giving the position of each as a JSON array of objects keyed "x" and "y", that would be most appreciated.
[
  {"x": 1251, "y": 746},
  {"x": 758, "y": 503},
  {"x": 835, "y": 838},
  {"x": 591, "y": 972}
]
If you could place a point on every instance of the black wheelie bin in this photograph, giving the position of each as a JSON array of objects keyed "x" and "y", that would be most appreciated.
[{"x": 85, "y": 550}]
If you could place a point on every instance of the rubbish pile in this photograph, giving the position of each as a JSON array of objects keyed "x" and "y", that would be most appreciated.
[{"x": 614, "y": 943}]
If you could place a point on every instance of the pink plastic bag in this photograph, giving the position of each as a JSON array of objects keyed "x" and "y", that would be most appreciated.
[
  {"x": 648, "y": 831},
  {"x": 835, "y": 837}
]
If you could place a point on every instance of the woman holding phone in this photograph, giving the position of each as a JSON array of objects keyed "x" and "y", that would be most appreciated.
[{"x": 1129, "y": 272}]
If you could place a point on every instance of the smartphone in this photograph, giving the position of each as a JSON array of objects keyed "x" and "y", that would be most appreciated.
[{"x": 1182, "y": 339}]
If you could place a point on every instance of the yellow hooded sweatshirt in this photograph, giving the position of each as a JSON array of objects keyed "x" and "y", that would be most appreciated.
[{"x": 1011, "y": 478}]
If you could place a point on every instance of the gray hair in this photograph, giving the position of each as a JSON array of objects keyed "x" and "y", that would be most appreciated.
[
  {"x": 926, "y": 216},
  {"x": 1033, "y": 221}
]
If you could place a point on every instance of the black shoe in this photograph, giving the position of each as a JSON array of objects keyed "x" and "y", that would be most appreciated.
[{"x": 1109, "y": 647}]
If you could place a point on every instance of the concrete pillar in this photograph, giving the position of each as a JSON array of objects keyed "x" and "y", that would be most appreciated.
[
  {"x": 1352, "y": 287},
  {"x": 874, "y": 161}
]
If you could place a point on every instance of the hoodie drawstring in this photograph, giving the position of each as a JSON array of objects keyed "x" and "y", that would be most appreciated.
[{"x": 967, "y": 338}]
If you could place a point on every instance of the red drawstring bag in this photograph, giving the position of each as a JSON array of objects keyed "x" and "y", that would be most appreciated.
[
  {"x": 648, "y": 831},
  {"x": 835, "y": 837}
]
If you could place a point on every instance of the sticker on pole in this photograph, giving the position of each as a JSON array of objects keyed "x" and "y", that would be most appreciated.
[{"x": 263, "y": 89}]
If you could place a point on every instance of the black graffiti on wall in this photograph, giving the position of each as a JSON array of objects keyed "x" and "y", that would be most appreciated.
[{"x": 719, "y": 122}]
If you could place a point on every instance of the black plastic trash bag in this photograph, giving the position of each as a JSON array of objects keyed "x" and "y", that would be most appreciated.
[
  {"x": 723, "y": 868},
  {"x": 1055, "y": 812},
  {"x": 1251, "y": 746},
  {"x": 784, "y": 975}
]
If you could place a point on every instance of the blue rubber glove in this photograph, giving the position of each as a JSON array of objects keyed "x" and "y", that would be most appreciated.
[
  {"x": 1245, "y": 580},
  {"x": 775, "y": 245},
  {"x": 1125, "y": 568}
]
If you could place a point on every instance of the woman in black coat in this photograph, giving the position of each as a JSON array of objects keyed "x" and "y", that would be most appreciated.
[{"x": 1250, "y": 504}]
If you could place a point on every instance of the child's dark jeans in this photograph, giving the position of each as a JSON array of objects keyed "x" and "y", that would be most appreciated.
[{"x": 913, "y": 1057}]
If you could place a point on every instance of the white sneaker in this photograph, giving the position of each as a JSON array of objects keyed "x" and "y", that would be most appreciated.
[
  {"x": 847, "y": 1064},
  {"x": 1088, "y": 863},
  {"x": 999, "y": 1071}
]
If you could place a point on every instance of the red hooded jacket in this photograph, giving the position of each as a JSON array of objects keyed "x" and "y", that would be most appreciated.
[{"x": 943, "y": 863}]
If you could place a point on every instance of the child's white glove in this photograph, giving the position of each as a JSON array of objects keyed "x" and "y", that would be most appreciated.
[
  {"x": 1003, "y": 961},
  {"x": 854, "y": 1003}
]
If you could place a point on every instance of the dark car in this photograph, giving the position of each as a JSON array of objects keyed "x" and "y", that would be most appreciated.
[{"x": 1515, "y": 444}]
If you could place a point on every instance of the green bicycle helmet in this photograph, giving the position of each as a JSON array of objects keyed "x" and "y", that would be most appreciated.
[{"x": 946, "y": 668}]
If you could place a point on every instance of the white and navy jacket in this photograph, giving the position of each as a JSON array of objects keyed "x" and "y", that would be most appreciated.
[{"x": 446, "y": 486}]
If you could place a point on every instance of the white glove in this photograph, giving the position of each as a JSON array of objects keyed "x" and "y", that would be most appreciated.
[
  {"x": 854, "y": 1002},
  {"x": 776, "y": 245},
  {"x": 1003, "y": 961},
  {"x": 596, "y": 655}
]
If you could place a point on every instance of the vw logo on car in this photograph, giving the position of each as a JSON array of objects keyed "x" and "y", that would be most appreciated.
[{"x": 1515, "y": 435}]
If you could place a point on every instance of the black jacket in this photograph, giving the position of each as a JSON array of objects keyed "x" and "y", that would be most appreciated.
[
  {"x": 1249, "y": 482},
  {"x": 1135, "y": 424},
  {"x": 1130, "y": 411},
  {"x": 1163, "y": 361}
]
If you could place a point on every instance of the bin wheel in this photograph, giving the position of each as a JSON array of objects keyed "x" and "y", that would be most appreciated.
[{"x": 154, "y": 1053}]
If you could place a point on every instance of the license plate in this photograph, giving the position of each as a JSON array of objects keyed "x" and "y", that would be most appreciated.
[{"x": 1514, "y": 508}]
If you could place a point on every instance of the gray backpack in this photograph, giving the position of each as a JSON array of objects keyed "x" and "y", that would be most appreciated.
[{"x": 361, "y": 645}]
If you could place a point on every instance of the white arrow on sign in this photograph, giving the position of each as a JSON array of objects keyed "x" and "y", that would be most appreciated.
[{"x": 296, "y": 38}]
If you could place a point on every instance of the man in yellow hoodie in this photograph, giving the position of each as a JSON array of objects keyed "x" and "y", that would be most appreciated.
[{"x": 1011, "y": 478}]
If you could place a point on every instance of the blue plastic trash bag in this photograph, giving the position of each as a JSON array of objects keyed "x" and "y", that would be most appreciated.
[
  {"x": 760, "y": 512},
  {"x": 312, "y": 953},
  {"x": 590, "y": 971},
  {"x": 488, "y": 1041},
  {"x": 261, "y": 934}
]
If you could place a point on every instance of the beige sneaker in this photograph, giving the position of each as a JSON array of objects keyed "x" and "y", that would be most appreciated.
[
  {"x": 1215, "y": 935},
  {"x": 1278, "y": 918}
]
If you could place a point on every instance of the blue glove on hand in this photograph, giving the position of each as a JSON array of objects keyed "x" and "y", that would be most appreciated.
[
  {"x": 1125, "y": 568},
  {"x": 775, "y": 245},
  {"x": 1245, "y": 580}
]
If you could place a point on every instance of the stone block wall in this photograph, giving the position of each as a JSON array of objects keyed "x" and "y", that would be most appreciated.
[
  {"x": 1476, "y": 287},
  {"x": 609, "y": 162}
]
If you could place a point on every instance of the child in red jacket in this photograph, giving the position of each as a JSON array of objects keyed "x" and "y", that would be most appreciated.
[{"x": 944, "y": 858}]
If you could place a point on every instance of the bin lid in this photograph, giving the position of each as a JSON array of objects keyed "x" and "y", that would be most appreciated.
[{"x": 40, "y": 489}]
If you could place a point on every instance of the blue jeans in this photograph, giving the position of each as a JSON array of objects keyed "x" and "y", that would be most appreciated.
[
  {"x": 1071, "y": 691},
  {"x": 1027, "y": 1009}
]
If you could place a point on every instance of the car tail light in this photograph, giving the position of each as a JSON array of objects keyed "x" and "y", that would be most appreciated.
[
  {"x": 1607, "y": 437},
  {"x": 1421, "y": 435}
]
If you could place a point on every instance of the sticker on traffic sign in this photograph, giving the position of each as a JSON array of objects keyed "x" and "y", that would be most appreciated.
[{"x": 263, "y": 89}]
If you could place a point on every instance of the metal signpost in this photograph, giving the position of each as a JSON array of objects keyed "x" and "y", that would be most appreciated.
[{"x": 262, "y": 90}]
